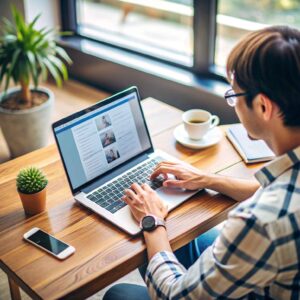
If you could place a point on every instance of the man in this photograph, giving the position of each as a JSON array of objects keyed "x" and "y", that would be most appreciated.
[{"x": 257, "y": 254}]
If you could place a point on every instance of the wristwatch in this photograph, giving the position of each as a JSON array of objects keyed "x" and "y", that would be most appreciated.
[{"x": 150, "y": 222}]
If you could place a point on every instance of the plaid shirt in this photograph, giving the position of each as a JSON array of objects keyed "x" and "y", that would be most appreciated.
[{"x": 256, "y": 256}]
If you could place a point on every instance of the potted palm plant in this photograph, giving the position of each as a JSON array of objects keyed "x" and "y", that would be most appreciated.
[
  {"x": 31, "y": 186},
  {"x": 27, "y": 55}
]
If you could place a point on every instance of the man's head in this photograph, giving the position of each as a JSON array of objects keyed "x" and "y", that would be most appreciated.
[{"x": 266, "y": 65}]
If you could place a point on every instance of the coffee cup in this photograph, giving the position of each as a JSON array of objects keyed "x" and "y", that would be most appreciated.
[{"x": 197, "y": 122}]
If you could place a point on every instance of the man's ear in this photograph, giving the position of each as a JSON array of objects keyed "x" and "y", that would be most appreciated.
[{"x": 266, "y": 107}]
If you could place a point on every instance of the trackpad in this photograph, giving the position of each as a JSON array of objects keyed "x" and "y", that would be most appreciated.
[{"x": 174, "y": 196}]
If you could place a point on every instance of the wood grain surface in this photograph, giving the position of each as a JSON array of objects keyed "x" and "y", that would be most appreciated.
[{"x": 103, "y": 252}]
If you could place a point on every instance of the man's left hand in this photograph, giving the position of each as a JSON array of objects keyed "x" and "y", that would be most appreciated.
[{"x": 143, "y": 201}]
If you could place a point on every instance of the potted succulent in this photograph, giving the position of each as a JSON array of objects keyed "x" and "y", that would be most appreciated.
[
  {"x": 31, "y": 186},
  {"x": 26, "y": 56}
]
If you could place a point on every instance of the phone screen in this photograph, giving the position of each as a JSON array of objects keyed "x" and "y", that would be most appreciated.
[{"x": 48, "y": 242}]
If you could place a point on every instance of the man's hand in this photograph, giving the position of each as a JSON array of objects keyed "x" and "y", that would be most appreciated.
[
  {"x": 186, "y": 176},
  {"x": 143, "y": 201}
]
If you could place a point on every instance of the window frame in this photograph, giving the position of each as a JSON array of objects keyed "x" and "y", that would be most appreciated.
[{"x": 204, "y": 34}]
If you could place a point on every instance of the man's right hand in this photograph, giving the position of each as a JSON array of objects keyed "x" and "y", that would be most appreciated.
[
  {"x": 190, "y": 178},
  {"x": 186, "y": 176}
]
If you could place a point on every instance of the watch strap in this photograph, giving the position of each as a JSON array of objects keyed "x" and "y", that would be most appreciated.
[{"x": 160, "y": 222}]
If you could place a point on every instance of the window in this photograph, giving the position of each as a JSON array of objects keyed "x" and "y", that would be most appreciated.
[
  {"x": 236, "y": 18},
  {"x": 194, "y": 34},
  {"x": 158, "y": 28}
]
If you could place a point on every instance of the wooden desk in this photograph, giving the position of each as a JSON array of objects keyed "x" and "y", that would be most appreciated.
[{"x": 103, "y": 252}]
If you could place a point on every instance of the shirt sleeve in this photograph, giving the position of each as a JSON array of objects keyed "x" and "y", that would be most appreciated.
[{"x": 241, "y": 259}]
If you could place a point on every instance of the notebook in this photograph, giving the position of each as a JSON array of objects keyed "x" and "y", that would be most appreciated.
[{"x": 251, "y": 151}]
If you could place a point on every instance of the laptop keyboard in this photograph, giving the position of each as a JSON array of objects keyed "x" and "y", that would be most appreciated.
[{"x": 109, "y": 196}]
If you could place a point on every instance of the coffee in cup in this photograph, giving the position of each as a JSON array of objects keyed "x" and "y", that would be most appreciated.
[{"x": 197, "y": 122}]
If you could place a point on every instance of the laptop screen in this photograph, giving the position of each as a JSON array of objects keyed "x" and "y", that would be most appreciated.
[{"x": 101, "y": 139}]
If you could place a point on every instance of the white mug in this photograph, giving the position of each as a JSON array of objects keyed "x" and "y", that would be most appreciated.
[{"x": 197, "y": 122}]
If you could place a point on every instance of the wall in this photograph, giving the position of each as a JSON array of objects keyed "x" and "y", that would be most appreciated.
[
  {"x": 49, "y": 10},
  {"x": 5, "y": 7}
]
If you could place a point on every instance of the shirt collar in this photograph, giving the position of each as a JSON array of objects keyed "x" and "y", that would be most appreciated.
[{"x": 278, "y": 166}]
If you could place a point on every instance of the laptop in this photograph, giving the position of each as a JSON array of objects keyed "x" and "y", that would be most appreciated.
[{"x": 104, "y": 149}]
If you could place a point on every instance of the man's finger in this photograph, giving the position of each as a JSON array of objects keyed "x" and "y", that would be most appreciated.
[
  {"x": 173, "y": 183},
  {"x": 130, "y": 194},
  {"x": 167, "y": 163},
  {"x": 163, "y": 170},
  {"x": 137, "y": 188},
  {"x": 158, "y": 172},
  {"x": 125, "y": 199},
  {"x": 146, "y": 187}
]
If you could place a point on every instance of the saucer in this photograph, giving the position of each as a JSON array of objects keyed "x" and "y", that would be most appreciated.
[{"x": 211, "y": 138}]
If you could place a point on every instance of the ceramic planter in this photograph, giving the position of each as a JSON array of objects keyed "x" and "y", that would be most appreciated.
[
  {"x": 34, "y": 203},
  {"x": 28, "y": 129}
]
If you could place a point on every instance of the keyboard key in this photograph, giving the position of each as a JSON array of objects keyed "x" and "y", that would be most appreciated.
[
  {"x": 92, "y": 198},
  {"x": 111, "y": 207},
  {"x": 103, "y": 204},
  {"x": 99, "y": 202},
  {"x": 118, "y": 207},
  {"x": 122, "y": 204},
  {"x": 109, "y": 196}
]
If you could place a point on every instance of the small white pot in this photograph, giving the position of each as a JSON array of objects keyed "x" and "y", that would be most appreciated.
[{"x": 28, "y": 129}]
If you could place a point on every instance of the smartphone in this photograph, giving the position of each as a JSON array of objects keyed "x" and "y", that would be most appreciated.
[{"x": 49, "y": 243}]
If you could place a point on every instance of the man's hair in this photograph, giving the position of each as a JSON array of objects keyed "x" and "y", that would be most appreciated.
[{"x": 268, "y": 61}]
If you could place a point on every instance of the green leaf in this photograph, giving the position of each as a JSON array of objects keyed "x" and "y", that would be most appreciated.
[
  {"x": 8, "y": 26},
  {"x": 59, "y": 65},
  {"x": 47, "y": 32},
  {"x": 3, "y": 71},
  {"x": 66, "y": 33},
  {"x": 32, "y": 63},
  {"x": 9, "y": 38},
  {"x": 42, "y": 66},
  {"x": 10, "y": 69},
  {"x": 31, "y": 25},
  {"x": 20, "y": 23},
  {"x": 52, "y": 69},
  {"x": 41, "y": 38},
  {"x": 62, "y": 53}
]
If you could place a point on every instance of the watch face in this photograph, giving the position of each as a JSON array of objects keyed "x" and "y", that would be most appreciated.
[{"x": 148, "y": 223}]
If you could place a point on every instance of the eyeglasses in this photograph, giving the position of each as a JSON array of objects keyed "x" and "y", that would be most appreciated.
[{"x": 231, "y": 97}]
